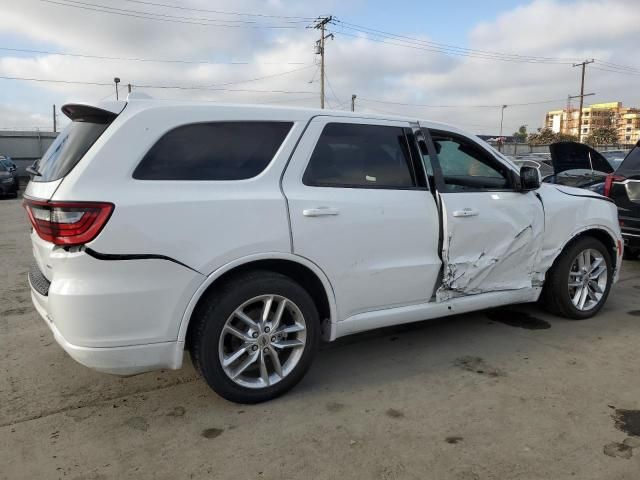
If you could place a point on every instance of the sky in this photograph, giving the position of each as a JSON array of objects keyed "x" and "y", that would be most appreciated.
[{"x": 456, "y": 62}]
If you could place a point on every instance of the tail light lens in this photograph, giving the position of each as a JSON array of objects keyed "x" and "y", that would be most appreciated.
[
  {"x": 608, "y": 183},
  {"x": 68, "y": 223}
]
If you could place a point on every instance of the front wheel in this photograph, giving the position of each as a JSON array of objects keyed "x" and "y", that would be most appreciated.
[
  {"x": 578, "y": 284},
  {"x": 256, "y": 337}
]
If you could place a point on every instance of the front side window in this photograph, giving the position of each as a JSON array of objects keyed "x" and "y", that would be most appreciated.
[
  {"x": 361, "y": 156},
  {"x": 466, "y": 166},
  {"x": 213, "y": 151}
]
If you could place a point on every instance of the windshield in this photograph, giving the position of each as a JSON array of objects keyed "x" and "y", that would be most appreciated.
[{"x": 67, "y": 150}]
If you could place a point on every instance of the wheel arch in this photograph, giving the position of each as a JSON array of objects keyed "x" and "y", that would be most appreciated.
[
  {"x": 300, "y": 269},
  {"x": 600, "y": 232}
]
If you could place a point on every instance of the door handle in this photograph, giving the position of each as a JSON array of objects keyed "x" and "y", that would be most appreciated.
[
  {"x": 319, "y": 212},
  {"x": 465, "y": 212}
]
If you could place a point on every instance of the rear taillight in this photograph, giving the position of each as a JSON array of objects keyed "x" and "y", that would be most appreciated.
[
  {"x": 608, "y": 183},
  {"x": 67, "y": 223}
]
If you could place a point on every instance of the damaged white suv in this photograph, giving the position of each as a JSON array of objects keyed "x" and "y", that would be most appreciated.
[{"x": 245, "y": 234}]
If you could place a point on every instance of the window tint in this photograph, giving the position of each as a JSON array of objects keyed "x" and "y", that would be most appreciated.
[
  {"x": 631, "y": 164},
  {"x": 369, "y": 156},
  {"x": 68, "y": 148},
  {"x": 466, "y": 167},
  {"x": 213, "y": 151}
]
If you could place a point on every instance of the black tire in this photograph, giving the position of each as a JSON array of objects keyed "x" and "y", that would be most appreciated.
[
  {"x": 212, "y": 314},
  {"x": 555, "y": 294},
  {"x": 631, "y": 254}
]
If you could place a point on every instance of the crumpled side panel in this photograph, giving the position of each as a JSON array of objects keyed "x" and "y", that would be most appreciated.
[{"x": 507, "y": 260}]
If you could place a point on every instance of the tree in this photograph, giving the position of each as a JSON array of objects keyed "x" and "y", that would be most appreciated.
[
  {"x": 607, "y": 135},
  {"x": 521, "y": 135},
  {"x": 546, "y": 136}
]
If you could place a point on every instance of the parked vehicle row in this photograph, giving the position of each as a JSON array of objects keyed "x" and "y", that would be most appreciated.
[
  {"x": 9, "y": 181},
  {"x": 245, "y": 234},
  {"x": 614, "y": 174}
]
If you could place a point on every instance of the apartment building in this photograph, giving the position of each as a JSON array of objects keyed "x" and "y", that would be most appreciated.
[{"x": 626, "y": 120}]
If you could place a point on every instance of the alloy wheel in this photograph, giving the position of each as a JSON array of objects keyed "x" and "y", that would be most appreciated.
[
  {"x": 262, "y": 341},
  {"x": 587, "y": 279}
]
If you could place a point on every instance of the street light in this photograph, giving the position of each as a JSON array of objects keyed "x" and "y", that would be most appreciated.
[
  {"x": 501, "y": 120},
  {"x": 116, "y": 80}
]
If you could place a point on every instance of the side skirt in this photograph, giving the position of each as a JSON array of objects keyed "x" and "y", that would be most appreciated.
[{"x": 428, "y": 311}]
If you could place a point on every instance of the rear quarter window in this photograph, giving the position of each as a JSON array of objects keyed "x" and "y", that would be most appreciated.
[
  {"x": 213, "y": 151},
  {"x": 68, "y": 148}
]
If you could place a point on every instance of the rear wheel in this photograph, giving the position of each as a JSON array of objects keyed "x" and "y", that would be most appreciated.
[
  {"x": 256, "y": 337},
  {"x": 578, "y": 284}
]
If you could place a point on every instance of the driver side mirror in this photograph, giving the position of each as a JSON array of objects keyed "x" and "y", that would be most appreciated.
[{"x": 529, "y": 178}]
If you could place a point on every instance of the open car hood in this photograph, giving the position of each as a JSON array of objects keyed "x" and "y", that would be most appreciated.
[{"x": 577, "y": 156}]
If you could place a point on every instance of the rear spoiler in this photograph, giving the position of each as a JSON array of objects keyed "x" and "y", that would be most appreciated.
[{"x": 104, "y": 114}]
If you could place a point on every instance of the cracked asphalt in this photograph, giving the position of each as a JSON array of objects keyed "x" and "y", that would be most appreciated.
[{"x": 512, "y": 394}]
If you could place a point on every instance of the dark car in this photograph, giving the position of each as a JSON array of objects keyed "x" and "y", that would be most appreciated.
[
  {"x": 8, "y": 181},
  {"x": 7, "y": 162},
  {"x": 623, "y": 187},
  {"x": 578, "y": 165}
]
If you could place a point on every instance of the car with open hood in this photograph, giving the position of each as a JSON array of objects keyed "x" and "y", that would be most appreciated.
[
  {"x": 244, "y": 234},
  {"x": 578, "y": 165}
]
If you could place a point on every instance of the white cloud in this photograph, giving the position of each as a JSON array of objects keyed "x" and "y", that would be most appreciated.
[{"x": 581, "y": 29}]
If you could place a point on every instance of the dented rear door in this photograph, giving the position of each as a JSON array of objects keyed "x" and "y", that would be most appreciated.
[{"x": 491, "y": 233}]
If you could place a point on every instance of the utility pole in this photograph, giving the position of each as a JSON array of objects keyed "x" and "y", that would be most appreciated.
[
  {"x": 320, "y": 25},
  {"x": 501, "y": 120},
  {"x": 116, "y": 80},
  {"x": 353, "y": 102},
  {"x": 54, "y": 118},
  {"x": 584, "y": 65}
]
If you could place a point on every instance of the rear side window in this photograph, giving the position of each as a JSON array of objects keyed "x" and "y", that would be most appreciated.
[
  {"x": 68, "y": 148},
  {"x": 213, "y": 151},
  {"x": 631, "y": 164},
  {"x": 361, "y": 156}
]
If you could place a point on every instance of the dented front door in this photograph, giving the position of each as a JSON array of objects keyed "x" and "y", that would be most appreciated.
[
  {"x": 491, "y": 233},
  {"x": 491, "y": 241}
]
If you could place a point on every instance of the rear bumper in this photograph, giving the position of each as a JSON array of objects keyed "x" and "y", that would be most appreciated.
[
  {"x": 115, "y": 316},
  {"x": 127, "y": 360}
]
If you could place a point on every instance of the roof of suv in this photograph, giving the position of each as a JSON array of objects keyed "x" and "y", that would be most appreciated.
[{"x": 142, "y": 102}]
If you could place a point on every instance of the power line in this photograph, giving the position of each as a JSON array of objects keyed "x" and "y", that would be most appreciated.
[
  {"x": 434, "y": 50},
  {"x": 448, "y": 49},
  {"x": 332, "y": 91},
  {"x": 157, "y": 17},
  {"x": 623, "y": 72},
  {"x": 453, "y": 49},
  {"x": 138, "y": 85},
  {"x": 255, "y": 78},
  {"x": 137, "y": 59},
  {"x": 177, "y": 7},
  {"x": 143, "y": 12},
  {"x": 262, "y": 78},
  {"x": 617, "y": 66}
]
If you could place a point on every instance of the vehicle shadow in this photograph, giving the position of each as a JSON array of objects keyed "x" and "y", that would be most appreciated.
[{"x": 489, "y": 343}]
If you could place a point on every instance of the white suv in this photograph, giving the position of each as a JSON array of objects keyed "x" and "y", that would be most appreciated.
[{"x": 244, "y": 234}]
